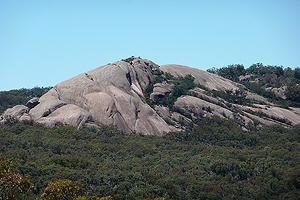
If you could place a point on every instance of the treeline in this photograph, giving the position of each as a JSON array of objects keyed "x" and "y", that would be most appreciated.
[
  {"x": 261, "y": 77},
  {"x": 11, "y": 98},
  {"x": 213, "y": 160}
]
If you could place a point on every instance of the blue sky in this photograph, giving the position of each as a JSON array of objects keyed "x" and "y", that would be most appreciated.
[{"x": 45, "y": 42}]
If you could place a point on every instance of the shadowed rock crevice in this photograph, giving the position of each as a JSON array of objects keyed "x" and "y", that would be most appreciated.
[
  {"x": 129, "y": 78},
  {"x": 32, "y": 103}
]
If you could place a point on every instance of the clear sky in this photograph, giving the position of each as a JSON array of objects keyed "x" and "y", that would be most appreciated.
[{"x": 45, "y": 42}]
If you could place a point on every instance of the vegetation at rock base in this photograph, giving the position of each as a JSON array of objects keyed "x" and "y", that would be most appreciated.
[
  {"x": 11, "y": 98},
  {"x": 214, "y": 160}
]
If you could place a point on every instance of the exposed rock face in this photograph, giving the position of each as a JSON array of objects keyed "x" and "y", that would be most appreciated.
[
  {"x": 47, "y": 105},
  {"x": 272, "y": 112},
  {"x": 160, "y": 89},
  {"x": 209, "y": 80},
  {"x": 67, "y": 114},
  {"x": 114, "y": 94},
  {"x": 164, "y": 112},
  {"x": 110, "y": 94},
  {"x": 19, "y": 112},
  {"x": 250, "y": 95},
  {"x": 292, "y": 115},
  {"x": 200, "y": 108}
]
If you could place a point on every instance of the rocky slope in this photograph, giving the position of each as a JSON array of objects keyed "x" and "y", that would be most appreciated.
[{"x": 115, "y": 94}]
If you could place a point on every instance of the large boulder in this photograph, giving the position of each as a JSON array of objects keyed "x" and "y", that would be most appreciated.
[
  {"x": 69, "y": 114},
  {"x": 19, "y": 112},
  {"x": 47, "y": 104},
  {"x": 160, "y": 90}
]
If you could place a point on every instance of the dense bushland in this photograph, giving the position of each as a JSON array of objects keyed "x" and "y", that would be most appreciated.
[{"x": 214, "y": 160}]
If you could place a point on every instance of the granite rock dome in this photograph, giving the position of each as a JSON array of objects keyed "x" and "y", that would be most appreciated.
[{"x": 115, "y": 94}]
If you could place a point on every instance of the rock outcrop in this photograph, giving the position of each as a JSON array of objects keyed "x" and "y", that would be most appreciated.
[
  {"x": 113, "y": 94},
  {"x": 110, "y": 94},
  {"x": 19, "y": 112},
  {"x": 209, "y": 80},
  {"x": 279, "y": 92},
  {"x": 32, "y": 102},
  {"x": 159, "y": 90},
  {"x": 201, "y": 108},
  {"x": 248, "y": 77}
]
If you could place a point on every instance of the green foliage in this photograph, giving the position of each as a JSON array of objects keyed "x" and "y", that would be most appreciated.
[
  {"x": 232, "y": 72},
  {"x": 93, "y": 198},
  {"x": 260, "y": 69},
  {"x": 293, "y": 92},
  {"x": 180, "y": 87},
  {"x": 61, "y": 190},
  {"x": 12, "y": 185},
  {"x": 16, "y": 97},
  {"x": 213, "y": 160},
  {"x": 263, "y": 77},
  {"x": 237, "y": 97},
  {"x": 297, "y": 73}
]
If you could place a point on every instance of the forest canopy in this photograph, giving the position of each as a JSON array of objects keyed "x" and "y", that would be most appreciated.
[{"x": 214, "y": 160}]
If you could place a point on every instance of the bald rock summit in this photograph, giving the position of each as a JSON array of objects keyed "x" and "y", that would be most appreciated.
[
  {"x": 110, "y": 94},
  {"x": 136, "y": 95}
]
